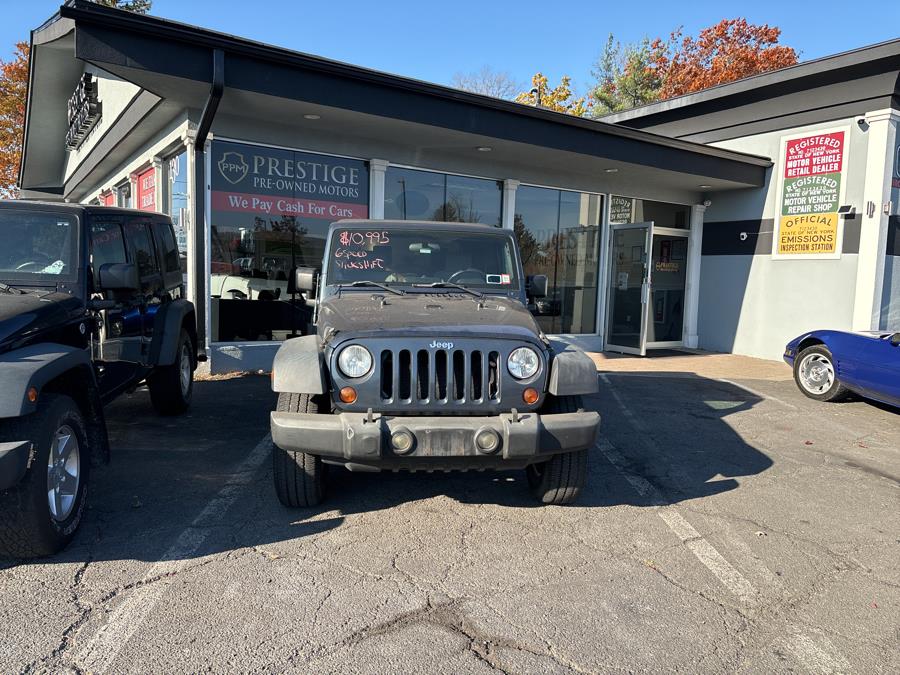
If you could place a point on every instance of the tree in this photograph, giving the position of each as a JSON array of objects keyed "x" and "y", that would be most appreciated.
[
  {"x": 13, "y": 97},
  {"x": 560, "y": 98},
  {"x": 489, "y": 82},
  {"x": 730, "y": 50},
  {"x": 13, "y": 91},
  {"x": 136, "y": 6},
  {"x": 627, "y": 76}
]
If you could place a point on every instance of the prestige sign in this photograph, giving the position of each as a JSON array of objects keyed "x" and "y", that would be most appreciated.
[
  {"x": 84, "y": 111},
  {"x": 811, "y": 189},
  {"x": 272, "y": 181}
]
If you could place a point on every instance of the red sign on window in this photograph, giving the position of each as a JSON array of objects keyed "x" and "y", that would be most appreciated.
[
  {"x": 146, "y": 190},
  {"x": 108, "y": 198}
]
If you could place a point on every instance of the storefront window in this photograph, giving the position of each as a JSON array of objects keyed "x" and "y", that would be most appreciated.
[
  {"x": 410, "y": 194},
  {"x": 124, "y": 192},
  {"x": 559, "y": 235},
  {"x": 624, "y": 210},
  {"x": 271, "y": 209},
  {"x": 177, "y": 195}
]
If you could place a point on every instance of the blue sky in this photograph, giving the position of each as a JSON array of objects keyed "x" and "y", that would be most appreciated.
[{"x": 434, "y": 40}]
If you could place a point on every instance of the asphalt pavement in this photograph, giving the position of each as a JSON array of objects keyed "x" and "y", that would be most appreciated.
[{"x": 728, "y": 526}]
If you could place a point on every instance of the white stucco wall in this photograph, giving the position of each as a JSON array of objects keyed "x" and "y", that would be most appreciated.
[
  {"x": 754, "y": 304},
  {"x": 115, "y": 95}
]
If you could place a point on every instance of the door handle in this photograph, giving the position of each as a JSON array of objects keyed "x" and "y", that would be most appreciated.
[{"x": 645, "y": 293}]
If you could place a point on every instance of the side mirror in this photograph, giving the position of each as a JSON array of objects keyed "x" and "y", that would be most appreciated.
[
  {"x": 895, "y": 339},
  {"x": 119, "y": 277},
  {"x": 305, "y": 279},
  {"x": 536, "y": 286}
]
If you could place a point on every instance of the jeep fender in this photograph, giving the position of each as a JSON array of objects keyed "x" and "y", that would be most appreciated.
[
  {"x": 167, "y": 329},
  {"x": 35, "y": 366},
  {"x": 299, "y": 366},
  {"x": 572, "y": 372}
]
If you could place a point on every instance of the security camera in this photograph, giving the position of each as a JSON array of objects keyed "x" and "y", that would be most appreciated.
[
  {"x": 707, "y": 203},
  {"x": 862, "y": 123}
]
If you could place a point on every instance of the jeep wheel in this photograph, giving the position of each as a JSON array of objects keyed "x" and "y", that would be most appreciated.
[
  {"x": 40, "y": 515},
  {"x": 299, "y": 476},
  {"x": 171, "y": 387},
  {"x": 561, "y": 478}
]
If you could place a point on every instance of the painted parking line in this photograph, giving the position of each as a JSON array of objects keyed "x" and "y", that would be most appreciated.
[
  {"x": 705, "y": 552},
  {"x": 100, "y": 652}
]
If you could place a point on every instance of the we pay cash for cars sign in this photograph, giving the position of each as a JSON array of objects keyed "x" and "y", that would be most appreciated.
[{"x": 811, "y": 193}]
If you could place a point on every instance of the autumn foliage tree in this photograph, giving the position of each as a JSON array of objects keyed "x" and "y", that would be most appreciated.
[
  {"x": 652, "y": 70},
  {"x": 560, "y": 98},
  {"x": 13, "y": 89},
  {"x": 730, "y": 50}
]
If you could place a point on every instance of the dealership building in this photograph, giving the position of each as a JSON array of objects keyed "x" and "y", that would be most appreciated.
[{"x": 731, "y": 219}]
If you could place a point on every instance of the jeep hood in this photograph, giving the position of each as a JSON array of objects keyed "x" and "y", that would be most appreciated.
[
  {"x": 435, "y": 314},
  {"x": 25, "y": 315}
]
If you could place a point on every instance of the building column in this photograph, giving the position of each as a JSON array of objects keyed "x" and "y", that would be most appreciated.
[
  {"x": 191, "y": 225},
  {"x": 510, "y": 186},
  {"x": 882, "y": 133},
  {"x": 377, "y": 168},
  {"x": 692, "y": 282},
  {"x": 159, "y": 179}
]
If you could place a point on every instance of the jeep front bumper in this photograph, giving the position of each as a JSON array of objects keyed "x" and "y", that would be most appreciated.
[{"x": 442, "y": 442}]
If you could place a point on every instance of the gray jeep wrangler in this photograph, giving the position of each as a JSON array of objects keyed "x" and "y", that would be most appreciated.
[
  {"x": 91, "y": 305},
  {"x": 426, "y": 358}
]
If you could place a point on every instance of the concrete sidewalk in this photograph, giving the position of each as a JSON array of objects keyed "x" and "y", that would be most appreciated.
[{"x": 694, "y": 362}]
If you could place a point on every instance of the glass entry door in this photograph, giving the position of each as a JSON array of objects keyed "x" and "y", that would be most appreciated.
[
  {"x": 648, "y": 271},
  {"x": 668, "y": 273},
  {"x": 628, "y": 285}
]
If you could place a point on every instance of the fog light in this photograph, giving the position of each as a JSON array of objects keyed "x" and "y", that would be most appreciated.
[
  {"x": 487, "y": 440},
  {"x": 402, "y": 441},
  {"x": 348, "y": 394},
  {"x": 530, "y": 395}
]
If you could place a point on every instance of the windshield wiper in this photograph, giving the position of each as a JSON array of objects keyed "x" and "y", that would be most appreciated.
[
  {"x": 451, "y": 284},
  {"x": 363, "y": 283},
  {"x": 6, "y": 288}
]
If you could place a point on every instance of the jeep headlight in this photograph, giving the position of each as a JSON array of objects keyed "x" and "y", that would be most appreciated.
[
  {"x": 523, "y": 363},
  {"x": 355, "y": 361}
]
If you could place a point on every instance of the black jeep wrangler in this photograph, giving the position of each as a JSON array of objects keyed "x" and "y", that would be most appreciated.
[
  {"x": 91, "y": 305},
  {"x": 427, "y": 358}
]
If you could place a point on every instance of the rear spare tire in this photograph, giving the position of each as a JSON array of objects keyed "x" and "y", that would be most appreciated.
[{"x": 299, "y": 476}]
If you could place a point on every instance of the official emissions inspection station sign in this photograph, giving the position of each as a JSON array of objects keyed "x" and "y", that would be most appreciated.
[{"x": 811, "y": 193}]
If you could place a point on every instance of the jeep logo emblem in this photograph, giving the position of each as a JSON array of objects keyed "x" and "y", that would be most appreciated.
[
  {"x": 233, "y": 167},
  {"x": 441, "y": 345}
]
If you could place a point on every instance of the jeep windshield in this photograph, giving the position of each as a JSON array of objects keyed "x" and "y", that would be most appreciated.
[
  {"x": 39, "y": 247},
  {"x": 416, "y": 259}
]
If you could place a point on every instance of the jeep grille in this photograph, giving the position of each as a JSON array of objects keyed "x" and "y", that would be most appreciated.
[{"x": 442, "y": 375}]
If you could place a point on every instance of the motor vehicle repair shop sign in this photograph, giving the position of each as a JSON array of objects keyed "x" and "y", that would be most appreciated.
[{"x": 812, "y": 188}]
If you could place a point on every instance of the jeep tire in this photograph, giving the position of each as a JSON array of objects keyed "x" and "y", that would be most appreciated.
[
  {"x": 171, "y": 387},
  {"x": 560, "y": 479},
  {"x": 30, "y": 526},
  {"x": 299, "y": 476}
]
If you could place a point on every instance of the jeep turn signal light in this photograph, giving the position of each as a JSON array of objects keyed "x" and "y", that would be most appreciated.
[
  {"x": 32, "y": 395},
  {"x": 348, "y": 394},
  {"x": 530, "y": 395}
]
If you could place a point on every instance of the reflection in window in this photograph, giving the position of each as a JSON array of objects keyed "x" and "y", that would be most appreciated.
[
  {"x": 624, "y": 210},
  {"x": 177, "y": 206},
  {"x": 271, "y": 209},
  {"x": 410, "y": 194},
  {"x": 559, "y": 235}
]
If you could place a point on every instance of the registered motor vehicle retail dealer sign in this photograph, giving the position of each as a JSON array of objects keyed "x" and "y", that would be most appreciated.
[{"x": 811, "y": 191}]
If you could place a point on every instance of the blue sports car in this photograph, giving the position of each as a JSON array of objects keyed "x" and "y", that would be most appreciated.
[{"x": 829, "y": 364}]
